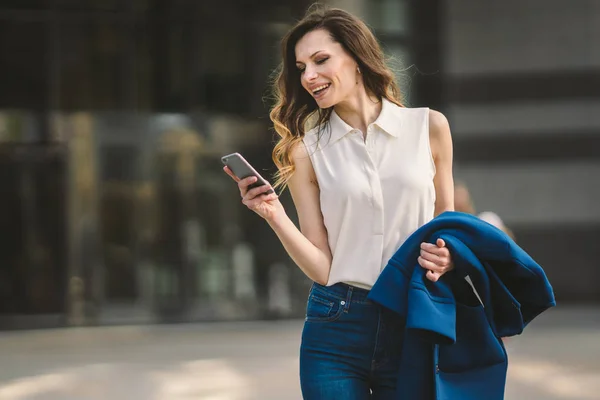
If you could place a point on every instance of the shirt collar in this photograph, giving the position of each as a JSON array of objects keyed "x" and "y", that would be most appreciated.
[{"x": 388, "y": 120}]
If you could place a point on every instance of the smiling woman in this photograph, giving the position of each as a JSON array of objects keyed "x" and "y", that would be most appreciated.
[
  {"x": 367, "y": 175},
  {"x": 325, "y": 61},
  {"x": 329, "y": 66}
]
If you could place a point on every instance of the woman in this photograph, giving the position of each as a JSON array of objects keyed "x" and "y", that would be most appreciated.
[{"x": 367, "y": 175}]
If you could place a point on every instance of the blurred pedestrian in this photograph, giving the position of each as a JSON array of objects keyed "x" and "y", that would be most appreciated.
[
  {"x": 462, "y": 199},
  {"x": 464, "y": 203},
  {"x": 367, "y": 175}
]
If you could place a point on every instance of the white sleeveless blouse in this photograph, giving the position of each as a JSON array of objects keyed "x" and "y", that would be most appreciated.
[{"x": 373, "y": 194}]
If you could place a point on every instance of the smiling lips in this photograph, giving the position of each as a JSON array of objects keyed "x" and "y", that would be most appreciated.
[{"x": 319, "y": 90}]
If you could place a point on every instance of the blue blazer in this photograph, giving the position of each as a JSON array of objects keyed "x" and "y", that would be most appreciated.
[{"x": 451, "y": 345}]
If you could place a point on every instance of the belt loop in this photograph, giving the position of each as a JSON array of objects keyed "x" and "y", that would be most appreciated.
[{"x": 348, "y": 298}]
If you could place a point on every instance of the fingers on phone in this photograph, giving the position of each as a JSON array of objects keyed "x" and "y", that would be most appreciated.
[
  {"x": 258, "y": 191},
  {"x": 244, "y": 183},
  {"x": 271, "y": 196},
  {"x": 258, "y": 195},
  {"x": 247, "y": 181},
  {"x": 230, "y": 173}
]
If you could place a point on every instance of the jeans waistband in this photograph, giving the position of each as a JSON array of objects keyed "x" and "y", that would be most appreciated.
[{"x": 342, "y": 291}]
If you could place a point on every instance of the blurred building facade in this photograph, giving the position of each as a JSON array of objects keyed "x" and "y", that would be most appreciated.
[
  {"x": 114, "y": 115},
  {"x": 522, "y": 92}
]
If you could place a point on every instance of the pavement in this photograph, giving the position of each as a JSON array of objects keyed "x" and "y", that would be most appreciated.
[{"x": 556, "y": 358}]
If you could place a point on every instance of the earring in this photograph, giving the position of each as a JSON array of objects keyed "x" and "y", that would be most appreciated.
[{"x": 358, "y": 69}]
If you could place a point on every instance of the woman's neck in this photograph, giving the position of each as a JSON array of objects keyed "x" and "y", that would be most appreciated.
[{"x": 359, "y": 111}]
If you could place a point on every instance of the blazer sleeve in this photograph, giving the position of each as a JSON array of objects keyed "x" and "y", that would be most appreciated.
[{"x": 431, "y": 309}]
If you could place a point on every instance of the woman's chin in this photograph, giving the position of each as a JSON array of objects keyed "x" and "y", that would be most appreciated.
[{"x": 325, "y": 103}]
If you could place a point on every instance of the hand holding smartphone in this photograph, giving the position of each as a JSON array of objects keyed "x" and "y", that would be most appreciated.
[
  {"x": 258, "y": 196},
  {"x": 242, "y": 169}
]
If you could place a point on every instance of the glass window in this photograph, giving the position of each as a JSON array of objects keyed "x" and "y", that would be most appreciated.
[
  {"x": 91, "y": 68},
  {"x": 24, "y": 67},
  {"x": 32, "y": 208},
  {"x": 388, "y": 16},
  {"x": 185, "y": 66},
  {"x": 95, "y": 5},
  {"x": 24, "y": 4}
]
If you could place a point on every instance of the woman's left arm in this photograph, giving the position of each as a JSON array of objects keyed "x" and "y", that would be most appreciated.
[
  {"x": 436, "y": 257},
  {"x": 440, "y": 140}
]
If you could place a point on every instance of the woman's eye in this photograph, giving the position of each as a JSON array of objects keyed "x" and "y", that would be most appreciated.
[{"x": 322, "y": 60}]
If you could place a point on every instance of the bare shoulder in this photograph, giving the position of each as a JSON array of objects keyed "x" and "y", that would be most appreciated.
[
  {"x": 438, "y": 124},
  {"x": 439, "y": 132},
  {"x": 303, "y": 165},
  {"x": 299, "y": 151}
]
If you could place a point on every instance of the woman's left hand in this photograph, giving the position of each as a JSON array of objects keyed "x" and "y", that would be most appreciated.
[{"x": 436, "y": 258}]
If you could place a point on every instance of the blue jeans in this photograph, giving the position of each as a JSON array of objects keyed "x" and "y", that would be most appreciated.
[{"x": 350, "y": 346}]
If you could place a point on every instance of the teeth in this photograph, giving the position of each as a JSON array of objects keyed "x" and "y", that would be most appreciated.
[{"x": 320, "y": 88}]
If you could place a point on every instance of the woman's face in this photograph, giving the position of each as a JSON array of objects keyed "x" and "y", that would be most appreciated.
[{"x": 328, "y": 72}]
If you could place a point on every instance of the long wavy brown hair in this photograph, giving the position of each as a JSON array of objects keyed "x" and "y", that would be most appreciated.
[{"x": 294, "y": 105}]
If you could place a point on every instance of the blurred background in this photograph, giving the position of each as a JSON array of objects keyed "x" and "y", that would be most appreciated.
[{"x": 117, "y": 220}]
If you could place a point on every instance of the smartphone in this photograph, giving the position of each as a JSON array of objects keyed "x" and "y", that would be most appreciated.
[{"x": 242, "y": 169}]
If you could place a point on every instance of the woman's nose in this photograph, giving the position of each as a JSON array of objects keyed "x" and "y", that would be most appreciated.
[{"x": 310, "y": 74}]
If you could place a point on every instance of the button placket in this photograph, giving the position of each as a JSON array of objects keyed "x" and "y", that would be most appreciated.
[
  {"x": 378, "y": 207},
  {"x": 376, "y": 189},
  {"x": 377, "y": 195},
  {"x": 370, "y": 168}
]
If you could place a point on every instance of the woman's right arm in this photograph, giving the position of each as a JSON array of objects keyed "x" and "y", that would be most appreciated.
[{"x": 309, "y": 246}]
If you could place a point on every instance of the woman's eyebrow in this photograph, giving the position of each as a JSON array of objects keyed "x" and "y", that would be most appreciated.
[{"x": 312, "y": 56}]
